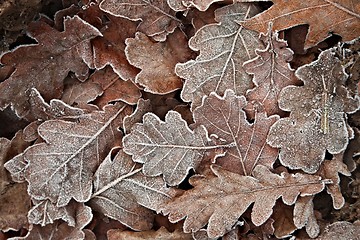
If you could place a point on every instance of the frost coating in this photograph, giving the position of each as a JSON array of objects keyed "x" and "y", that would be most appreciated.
[{"x": 317, "y": 119}]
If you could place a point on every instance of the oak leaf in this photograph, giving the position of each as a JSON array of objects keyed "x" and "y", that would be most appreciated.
[
  {"x": 157, "y": 18},
  {"x": 316, "y": 121},
  {"x": 224, "y": 47},
  {"x": 341, "y": 17},
  {"x": 341, "y": 230},
  {"x": 62, "y": 168},
  {"x": 272, "y": 72},
  {"x": 142, "y": 107},
  {"x": 224, "y": 117},
  {"x": 170, "y": 148},
  {"x": 157, "y": 61},
  {"x": 123, "y": 193},
  {"x": 304, "y": 216},
  {"x": 182, "y": 5},
  {"x": 225, "y": 190},
  {"x": 44, "y": 65}
]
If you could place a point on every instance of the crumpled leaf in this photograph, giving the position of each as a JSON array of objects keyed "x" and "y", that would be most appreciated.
[
  {"x": 225, "y": 190},
  {"x": 182, "y": 5},
  {"x": 272, "y": 72},
  {"x": 341, "y": 230},
  {"x": 157, "y": 18},
  {"x": 224, "y": 117},
  {"x": 330, "y": 169},
  {"x": 340, "y": 17},
  {"x": 170, "y": 148},
  {"x": 45, "y": 65},
  {"x": 162, "y": 233},
  {"x": 62, "y": 168},
  {"x": 109, "y": 49},
  {"x": 123, "y": 193},
  {"x": 316, "y": 121},
  {"x": 157, "y": 61},
  {"x": 60, "y": 230},
  {"x": 224, "y": 47}
]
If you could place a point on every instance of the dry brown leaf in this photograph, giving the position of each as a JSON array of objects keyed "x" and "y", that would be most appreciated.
[
  {"x": 162, "y": 233},
  {"x": 341, "y": 17},
  {"x": 283, "y": 220},
  {"x": 62, "y": 168},
  {"x": 169, "y": 148},
  {"x": 316, "y": 121},
  {"x": 44, "y": 65},
  {"x": 143, "y": 106},
  {"x": 352, "y": 151},
  {"x": 272, "y": 72},
  {"x": 304, "y": 216},
  {"x": 157, "y": 61},
  {"x": 330, "y": 169},
  {"x": 157, "y": 18},
  {"x": 60, "y": 230},
  {"x": 227, "y": 189},
  {"x": 224, "y": 47},
  {"x": 109, "y": 49},
  {"x": 224, "y": 118},
  {"x": 123, "y": 193}
]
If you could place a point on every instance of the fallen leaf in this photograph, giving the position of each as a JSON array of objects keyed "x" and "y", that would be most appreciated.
[
  {"x": 62, "y": 168},
  {"x": 283, "y": 220},
  {"x": 224, "y": 117},
  {"x": 123, "y": 193},
  {"x": 109, "y": 49},
  {"x": 272, "y": 72},
  {"x": 44, "y": 65},
  {"x": 223, "y": 47},
  {"x": 340, "y": 17},
  {"x": 142, "y": 107},
  {"x": 330, "y": 169},
  {"x": 157, "y": 18},
  {"x": 352, "y": 151},
  {"x": 157, "y": 61},
  {"x": 304, "y": 216},
  {"x": 170, "y": 148},
  {"x": 45, "y": 212},
  {"x": 60, "y": 230},
  {"x": 225, "y": 190},
  {"x": 162, "y": 233},
  {"x": 316, "y": 121}
]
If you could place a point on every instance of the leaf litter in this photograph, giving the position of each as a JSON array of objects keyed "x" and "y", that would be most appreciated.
[{"x": 180, "y": 120}]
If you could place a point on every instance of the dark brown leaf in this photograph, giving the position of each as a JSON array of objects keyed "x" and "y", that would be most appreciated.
[{"x": 161, "y": 233}]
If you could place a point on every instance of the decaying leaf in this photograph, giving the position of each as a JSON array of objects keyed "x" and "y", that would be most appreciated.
[
  {"x": 62, "y": 168},
  {"x": 224, "y": 117},
  {"x": 161, "y": 233},
  {"x": 170, "y": 148},
  {"x": 340, "y": 17},
  {"x": 44, "y": 65},
  {"x": 157, "y": 18},
  {"x": 272, "y": 72},
  {"x": 157, "y": 61},
  {"x": 58, "y": 230},
  {"x": 123, "y": 193},
  {"x": 317, "y": 121},
  {"x": 224, "y": 47},
  {"x": 225, "y": 190},
  {"x": 304, "y": 216}
]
